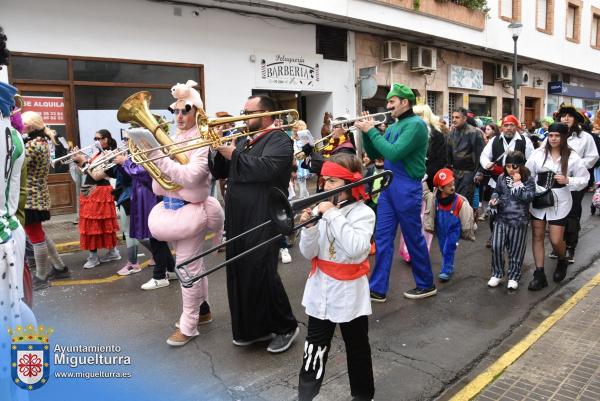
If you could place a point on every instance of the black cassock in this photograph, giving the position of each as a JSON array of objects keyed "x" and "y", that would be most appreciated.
[{"x": 258, "y": 302}]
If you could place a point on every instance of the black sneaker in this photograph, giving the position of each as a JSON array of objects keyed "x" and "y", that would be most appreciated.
[
  {"x": 56, "y": 274},
  {"x": 570, "y": 255},
  {"x": 39, "y": 284},
  {"x": 539, "y": 280},
  {"x": 561, "y": 270},
  {"x": 418, "y": 293},
  {"x": 282, "y": 342},
  {"x": 376, "y": 297},
  {"x": 553, "y": 255}
]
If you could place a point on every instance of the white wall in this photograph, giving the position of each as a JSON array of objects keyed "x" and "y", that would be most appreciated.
[
  {"x": 141, "y": 30},
  {"x": 552, "y": 48},
  {"x": 315, "y": 104}
]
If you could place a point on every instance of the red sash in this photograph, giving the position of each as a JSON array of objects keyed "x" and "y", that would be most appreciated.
[{"x": 340, "y": 271}]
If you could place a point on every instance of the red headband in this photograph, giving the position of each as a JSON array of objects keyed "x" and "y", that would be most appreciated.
[
  {"x": 511, "y": 119},
  {"x": 331, "y": 169}
]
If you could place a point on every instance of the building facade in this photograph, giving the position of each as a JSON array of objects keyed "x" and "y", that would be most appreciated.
[{"x": 85, "y": 57}]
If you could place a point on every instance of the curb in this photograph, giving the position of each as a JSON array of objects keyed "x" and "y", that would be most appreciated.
[{"x": 67, "y": 247}]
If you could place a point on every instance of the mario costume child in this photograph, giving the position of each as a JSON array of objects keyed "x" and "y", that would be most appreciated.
[{"x": 450, "y": 216}]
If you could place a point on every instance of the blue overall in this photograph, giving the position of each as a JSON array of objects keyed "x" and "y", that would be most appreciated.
[
  {"x": 400, "y": 204},
  {"x": 447, "y": 229}
]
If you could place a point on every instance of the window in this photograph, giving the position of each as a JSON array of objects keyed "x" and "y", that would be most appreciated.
[
  {"x": 433, "y": 101},
  {"x": 452, "y": 102},
  {"x": 510, "y": 10},
  {"x": 489, "y": 71},
  {"x": 113, "y": 71},
  {"x": 480, "y": 105},
  {"x": 332, "y": 43},
  {"x": 545, "y": 16},
  {"x": 47, "y": 69},
  {"x": 573, "y": 21},
  {"x": 595, "y": 37}
]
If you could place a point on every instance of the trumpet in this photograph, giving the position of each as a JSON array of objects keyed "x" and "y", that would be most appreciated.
[
  {"x": 106, "y": 161},
  {"x": 208, "y": 136},
  {"x": 69, "y": 157},
  {"x": 345, "y": 125}
]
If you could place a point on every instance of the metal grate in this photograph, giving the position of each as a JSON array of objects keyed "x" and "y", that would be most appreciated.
[
  {"x": 332, "y": 42},
  {"x": 452, "y": 100},
  {"x": 432, "y": 101}
]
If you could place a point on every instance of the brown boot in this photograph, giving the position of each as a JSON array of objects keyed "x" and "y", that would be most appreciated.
[{"x": 178, "y": 339}]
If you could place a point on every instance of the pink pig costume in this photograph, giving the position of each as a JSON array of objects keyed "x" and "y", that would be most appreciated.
[{"x": 185, "y": 216}]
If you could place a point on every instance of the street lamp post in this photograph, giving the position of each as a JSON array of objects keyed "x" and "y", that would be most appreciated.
[{"x": 515, "y": 29}]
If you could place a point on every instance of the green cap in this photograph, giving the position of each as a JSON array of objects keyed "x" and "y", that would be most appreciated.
[{"x": 402, "y": 91}]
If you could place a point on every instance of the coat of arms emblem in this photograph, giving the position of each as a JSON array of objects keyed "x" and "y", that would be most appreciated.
[{"x": 30, "y": 356}]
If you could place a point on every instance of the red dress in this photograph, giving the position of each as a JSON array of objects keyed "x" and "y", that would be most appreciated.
[{"x": 98, "y": 224}]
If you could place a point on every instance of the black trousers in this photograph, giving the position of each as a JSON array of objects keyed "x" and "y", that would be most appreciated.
[
  {"x": 464, "y": 185},
  {"x": 574, "y": 218},
  {"x": 358, "y": 356},
  {"x": 162, "y": 257}
]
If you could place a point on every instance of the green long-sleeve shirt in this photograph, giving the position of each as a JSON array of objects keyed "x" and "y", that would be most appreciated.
[{"x": 406, "y": 140}]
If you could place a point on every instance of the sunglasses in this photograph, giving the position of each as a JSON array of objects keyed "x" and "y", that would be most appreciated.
[
  {"x": 248, "y": 112},
  {"x": 183, "y": 112},
  {"x": 513, "y": 166},
  {"x": 98, "y": 138}
]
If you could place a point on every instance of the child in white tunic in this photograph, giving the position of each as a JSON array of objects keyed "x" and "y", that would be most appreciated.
[{"x": 337, "y": 289}]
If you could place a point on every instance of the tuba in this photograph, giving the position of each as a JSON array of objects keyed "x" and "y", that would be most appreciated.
[{"x": 135, "y": 109}]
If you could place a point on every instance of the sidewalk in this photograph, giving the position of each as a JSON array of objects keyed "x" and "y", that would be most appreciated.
[
  {"x": 63, "y": 232},
  {"x": 562, "y": 364}
]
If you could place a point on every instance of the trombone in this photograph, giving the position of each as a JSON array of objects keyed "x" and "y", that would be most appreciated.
[
  {"x": 282, "y": 215},
  {"x": 345, "y": 125},
  {"x": 209, "y": 137},
  {"x": 68, "y": 158}
]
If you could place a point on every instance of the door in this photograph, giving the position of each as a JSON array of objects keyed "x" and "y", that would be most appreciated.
[
  {"x": 529, "y": 117},
  {"x": 53, "y": 103}
]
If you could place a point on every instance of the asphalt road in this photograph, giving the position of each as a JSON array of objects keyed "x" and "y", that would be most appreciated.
[{"x": 419, "y": 347}]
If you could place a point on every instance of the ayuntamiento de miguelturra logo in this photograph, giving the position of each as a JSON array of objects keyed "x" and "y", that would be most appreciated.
[{"x": 30, "y": 356}]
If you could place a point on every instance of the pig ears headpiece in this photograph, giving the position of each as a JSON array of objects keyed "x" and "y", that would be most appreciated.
[{"x": 186, "y": 96}]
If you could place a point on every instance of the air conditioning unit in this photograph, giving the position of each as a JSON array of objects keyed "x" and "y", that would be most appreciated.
[
  {"x": 423, "y": 59},
  {"x": 394, "y": 51},
  {"x": 503, "y": 72},
  {"x": 524, "y": 78}
]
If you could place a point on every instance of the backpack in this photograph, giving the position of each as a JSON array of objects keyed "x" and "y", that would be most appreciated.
[{"x": 596, "y": 198}]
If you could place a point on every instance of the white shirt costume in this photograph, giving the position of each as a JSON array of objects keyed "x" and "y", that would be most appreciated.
[
  {"x": 487, "y": 154},
  {"x": 578, "y": 179},
  {"x": 350, "y": 228}
]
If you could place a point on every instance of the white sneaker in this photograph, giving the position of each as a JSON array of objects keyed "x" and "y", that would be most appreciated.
[
  {"x": 153, "y": 284},
  {"x": 494, "y": 281},
  {"x": 172, "y": 276},
  {"x": 111, "y": 255},
  {"x": 512, "y": 285},
  {"x": 92, "y": 261},
  {"x": 285, "y": 256}
]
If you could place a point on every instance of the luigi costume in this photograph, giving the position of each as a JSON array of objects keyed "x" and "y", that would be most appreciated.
[{"x": 403, "y": 148}]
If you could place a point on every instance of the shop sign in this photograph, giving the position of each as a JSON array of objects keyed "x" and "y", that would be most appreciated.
[
  {"x": 51, "y": 109},
  {"x": 465, "y": 78},
  {"x": 560, "y": 88},
  {"x": 288, "y": 71}
]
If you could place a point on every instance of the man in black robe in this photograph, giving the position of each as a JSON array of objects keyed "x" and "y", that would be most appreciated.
[{"x": 260, "y": 308}]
